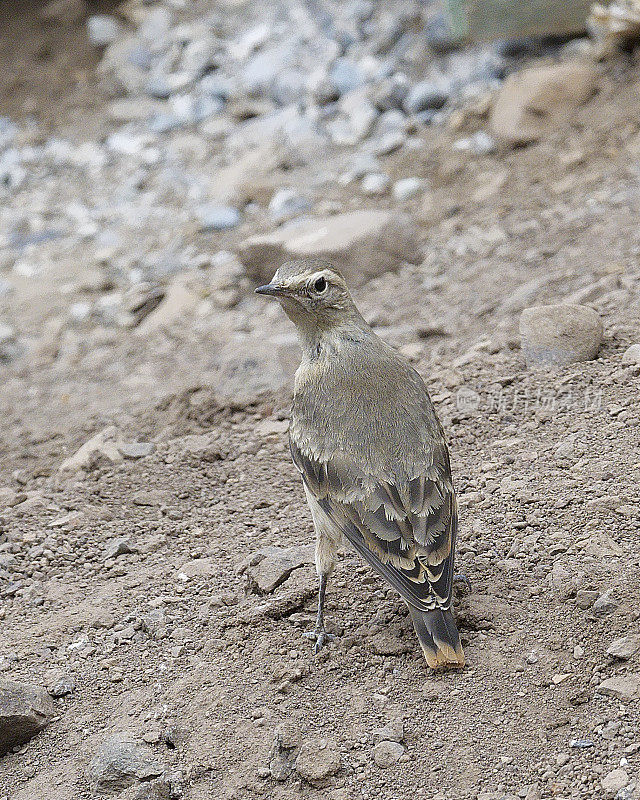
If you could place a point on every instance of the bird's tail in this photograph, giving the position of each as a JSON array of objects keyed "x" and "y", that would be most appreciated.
[{"x": 438, "y": 637}]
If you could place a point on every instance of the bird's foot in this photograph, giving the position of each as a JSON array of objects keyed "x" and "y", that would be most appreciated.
[
  {"x": 462, "y": 579},
  {"x": 321, "y": 637}
]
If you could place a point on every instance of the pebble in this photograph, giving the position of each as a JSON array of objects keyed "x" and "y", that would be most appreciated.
[
  {"x": 560, "y": 334},
  {"x": 217, "y": 218},
  {"x": 102, "y": 30},
  {"x": 406, "y": 188},
  {"x": 136, "y": 450},
  {"x": 625, "y": 647},
  {"x": 622, "y": 687},
  {"x": 119, "y": 763},
  {"x": 614, "y": 781},
  {"x": 61, "y": 685},
  {"x": 286, "y": 204},
  {"x": 317, "y": 760},
  {"x": 387, "y": 753},
  {"x": 631, "y": 355},
  {"x": 424, "y": 96},
  {"x": 375, "y": 184},
  {"x": 605, "y": 604}
]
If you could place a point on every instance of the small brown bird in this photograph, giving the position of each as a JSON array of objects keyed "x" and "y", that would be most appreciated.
[{"x": 372, "y": 454}]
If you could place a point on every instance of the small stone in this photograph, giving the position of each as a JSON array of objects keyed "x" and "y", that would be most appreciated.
[
  {"x": 479, "y": 143},
  {"x": 624, "y": 647},
  {"x": 631, "y": 355},
  {"x": 24, "y": 711},
  {"x": 102, "y": 30},
  {"x": 345, "y": 75},
  {"x": 387, "y": 753},
  {"x": 605, "y": 604},
  {"x": 217, "y": 218},
  {"x": 406, "y": 188},
  {"x": 61, "y": 685},
  {"x": 270, "y": 567},
  {"x": 375, "y": 184},
  {"x": 560, "y": 334},
  {"x": 102, "y": 445},
  {"x": 614, "y": 781},
  {"x": 119, "y": 763},
  {"x": 622, "y": 687},
  {"x": 562, "y": 581},
  {"x": 425, "y": 96},
  {"x": 119, "y": 546},
  {"x": 317, "y": 760},
  {"x": 286, "y": 204},
  {"x": 136, "y": 449}
]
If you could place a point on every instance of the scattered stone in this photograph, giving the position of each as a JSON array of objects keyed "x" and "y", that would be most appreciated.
[
  {"x": 317, "y": 761},
  {"x": 270, "y": 567},
  {"x": 61, "y": 685},
  {"x": 24, "y": 711},
  {"x": 563, "y": 583},
  {"x": 406, "y": 188},
  {"x": 387, "y": 753},
  {"x": 375, "y": 184},
  {"x": 119, "y": 763},
  {"x": 425, "y": 96},
  {"x": 135, "y": 450},
  {"x": 605, "y": 604},
  {"x": 585, "y": 598},
  {"x": 624, "y": 647},
  {"x": 631, "y": 355},
  {"x": 119, "y": 546},
  {"x": 103, "y": 445},
  {"x": 614, "y": 781},
  {"x": 533, "y": 101},
  {"x": 622, "y": 687},
  {"x": 217, "y": 218},
  {"x": 286, "y": 204},
  {"x": 102, "y": 30},
  {"x": 560, "y": 334},
  {"x": 363, "y": 244}
]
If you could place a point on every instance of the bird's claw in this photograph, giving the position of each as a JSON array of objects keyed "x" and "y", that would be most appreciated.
[{"x": 321, "y": 637}]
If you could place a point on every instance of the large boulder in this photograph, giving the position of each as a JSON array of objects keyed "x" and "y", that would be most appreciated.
[
  {"x": 24, "y": 711},
  {"x": 363, "y": 244},
  {"x": 534, "y": 101}
]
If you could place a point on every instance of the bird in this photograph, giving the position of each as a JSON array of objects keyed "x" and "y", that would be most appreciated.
[{"x": 372, "y": 453}]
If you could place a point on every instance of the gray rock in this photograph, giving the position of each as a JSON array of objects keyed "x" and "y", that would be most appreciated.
[
  {"x": 560, "y": 334},
  {"x": 136, "y": 449},
  {"x": 103, "y": 445},
  {"x": 317, "y": 760},
  {"x": 218, "y": 218},
  {"x": 624, "y": 647},
  {"x": 631, "y": 355},
  {"x": 387, "y": 754},
  {"x": 24, "y": 711},
  {"x": 479, "y": 143},
  {"x": 119, "y": 546},
  {"x": 425, "y": 96},
  {"x": 563, "y": 583},
  {"x": 61, "y": 685},
  {"x": 286, "y": 204},
  {"x": 585, "y": 598},
  {"x": 605, "y": 604},
  {"x": 362, "y": 244},
  {"x": 622, "y": 687},
  {"x": 406, "y": 188},
  {"x": 346, "y": 75},
  {"x": 102, "y": 30},
  {"x": 271, "y": 566},
  {"x": 392, "y": 732},
  {"x": 119, "y": 763}
]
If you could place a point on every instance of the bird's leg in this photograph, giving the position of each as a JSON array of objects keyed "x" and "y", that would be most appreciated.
[{"x": 319, "y": 633}]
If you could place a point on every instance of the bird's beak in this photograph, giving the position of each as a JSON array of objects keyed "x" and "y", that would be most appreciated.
[{"x": 271, "y": 289}]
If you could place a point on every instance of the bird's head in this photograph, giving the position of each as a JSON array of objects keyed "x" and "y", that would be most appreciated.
[{"x": 313, "y": 294}]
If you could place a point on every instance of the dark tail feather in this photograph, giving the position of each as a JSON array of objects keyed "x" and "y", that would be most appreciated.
[{"x": 438, "y": 637}]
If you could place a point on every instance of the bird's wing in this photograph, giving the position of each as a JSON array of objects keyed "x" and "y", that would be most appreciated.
[{"x": 406, "y": 532}]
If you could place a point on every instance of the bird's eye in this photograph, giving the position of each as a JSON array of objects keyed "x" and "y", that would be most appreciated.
[{"x": 320, "y": 285}]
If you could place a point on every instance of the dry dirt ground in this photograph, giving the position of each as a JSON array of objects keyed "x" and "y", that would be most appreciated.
[{"x": 174, "y": 643}]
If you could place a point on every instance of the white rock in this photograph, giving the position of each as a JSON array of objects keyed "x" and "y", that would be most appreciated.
[
  {"x": 102, "y": 30},
  {"x": 375, "y": 184},
  {"x": 103, "y": 444},
  {"x": 614, "y": 781},
  {"x": 560, "y": 334},
  {"x": 625, "y": 646},
  {"x": 406, "y": 188},
  {"x": 386, "y": 753},
  {"x": 631, "y": 355}
]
